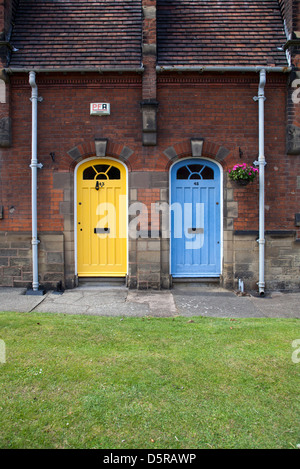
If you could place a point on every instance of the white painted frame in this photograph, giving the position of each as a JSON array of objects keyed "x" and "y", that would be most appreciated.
[
  {"x": 93, "y": 158},
  {"x": 221, "y": 206}
]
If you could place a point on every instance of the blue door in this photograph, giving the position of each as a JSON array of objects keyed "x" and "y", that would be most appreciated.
[{"x": 195, "y": 219}]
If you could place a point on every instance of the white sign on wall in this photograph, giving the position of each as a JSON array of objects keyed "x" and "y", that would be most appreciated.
[{"x": 100, "y": 109}]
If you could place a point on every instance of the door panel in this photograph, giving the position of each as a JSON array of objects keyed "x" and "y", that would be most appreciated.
[
  {"x": 101, "y": 219},
  {"x": 195, "y": 219}
]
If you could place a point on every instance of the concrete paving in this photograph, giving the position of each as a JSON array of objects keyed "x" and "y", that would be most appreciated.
[{"x": 183, "y": 300}]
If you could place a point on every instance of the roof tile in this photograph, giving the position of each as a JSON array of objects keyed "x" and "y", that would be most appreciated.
[
  {"x": 76, "y": 33},
  {"x": 108, "y": 33},
  {"x": 223, "y": 32}
]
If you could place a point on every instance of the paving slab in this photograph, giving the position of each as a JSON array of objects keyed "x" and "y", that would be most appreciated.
[
  {"x": 93, "y": 301},
  {"x": 159, "y": 303},
  {"x": 278, "y": 304},
  {"x": 213, "y": 302},
  {"x": 184, "y": 300},
  {"x": 14, "y": 299}
]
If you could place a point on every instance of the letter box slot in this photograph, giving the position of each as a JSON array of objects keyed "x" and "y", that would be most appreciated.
[
  {"x": 101, "y": 230},
  {"x": 195, "y": 230}
]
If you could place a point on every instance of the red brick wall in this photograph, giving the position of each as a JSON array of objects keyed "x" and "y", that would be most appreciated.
[
  {"x": 6, "y": 9},
  {"x": 224, "y": 112},
  {"x": 291, "y": 14},
  {"x": 149, "y": 57},
  {"x": 218, "y": 109},
  {"x": 63, "y": 121},
  {"x": 287, "y": 13}
]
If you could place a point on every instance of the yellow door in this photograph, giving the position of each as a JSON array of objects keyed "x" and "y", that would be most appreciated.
[{"x": 101, "y": 219}]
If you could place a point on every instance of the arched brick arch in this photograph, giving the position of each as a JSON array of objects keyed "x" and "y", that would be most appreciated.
[
  {"x": 210, "y": 150},
  {"x": 99, "y": 148}
]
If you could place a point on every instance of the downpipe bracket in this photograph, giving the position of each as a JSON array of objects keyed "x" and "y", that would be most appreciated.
[
  {"x": 38, "y": 98},
  {"x": 258, "y": 163},
  {"x": 256, "y": 98},
  {"x": 36, "y": 165}
]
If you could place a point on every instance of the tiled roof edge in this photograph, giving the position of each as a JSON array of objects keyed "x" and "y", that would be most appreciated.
[
  {"x": 221, "y": 68},
  {"x": 74, "y": 69}
]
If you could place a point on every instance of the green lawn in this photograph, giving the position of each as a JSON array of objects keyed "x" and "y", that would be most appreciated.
[{"x": 167, "y": 383}]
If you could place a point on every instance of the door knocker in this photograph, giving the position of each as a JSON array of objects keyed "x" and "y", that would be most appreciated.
[{"x": 98, "y": 185}]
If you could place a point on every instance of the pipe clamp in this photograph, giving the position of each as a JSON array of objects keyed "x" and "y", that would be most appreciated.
[
  {"x": 38, "y": 98},
  {"x": 257, "y": 163},
  {"x": 36, "y": 165},
  {"x": 256, "y": 98}
]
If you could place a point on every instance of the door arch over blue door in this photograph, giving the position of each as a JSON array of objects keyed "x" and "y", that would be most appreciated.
[{"x": 195, "y": 218}]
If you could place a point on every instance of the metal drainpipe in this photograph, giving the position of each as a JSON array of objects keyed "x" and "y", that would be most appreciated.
[
  {"x": 34, "y": 165},
  {"x": 261, "y": 164}
]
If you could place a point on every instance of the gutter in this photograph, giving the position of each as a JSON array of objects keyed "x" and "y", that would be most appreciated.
[
  {"x": 74, "y": 69},
  {"x": 222, "y": 69},
  {"x": 159, "y": 69}
]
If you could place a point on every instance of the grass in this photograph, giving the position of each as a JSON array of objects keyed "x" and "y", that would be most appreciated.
[{"x": 159, "y": 383}]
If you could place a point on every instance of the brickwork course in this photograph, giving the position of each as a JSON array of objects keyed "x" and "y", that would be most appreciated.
[{"x": 149, "y": 59}]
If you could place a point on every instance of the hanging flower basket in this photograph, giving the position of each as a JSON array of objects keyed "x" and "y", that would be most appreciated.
[{"x": 243, "y": 174}]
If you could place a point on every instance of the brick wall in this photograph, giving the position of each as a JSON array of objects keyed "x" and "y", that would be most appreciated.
[
  {"x": 218, "y": 108},
  {"x": 225, "y": 113},
  {"x": 7, "y": 12},
  {"x": 287, "y": 14},
  {"x": 16, "y": 259},
  {"x": 282, "y": 260},
  {"x": 149, "y": 49},
  {"x": 63, "y": 123},
  {"x": 149, "y": 253},
  {"x": 291, "y": 14}
]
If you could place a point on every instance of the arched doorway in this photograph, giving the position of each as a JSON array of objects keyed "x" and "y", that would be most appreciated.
[
  {"x": 195, "y": 218},
  {"x": 101, "y": 218}
]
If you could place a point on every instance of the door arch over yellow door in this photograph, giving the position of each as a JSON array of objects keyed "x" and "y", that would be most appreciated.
[{"x": 101, "y": 218}]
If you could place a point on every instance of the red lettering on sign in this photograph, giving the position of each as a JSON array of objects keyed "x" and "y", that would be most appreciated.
[{"x": 99, "y": 108}]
